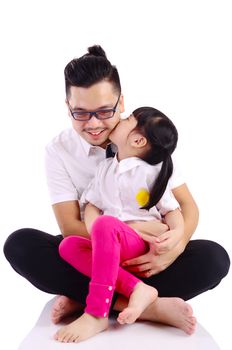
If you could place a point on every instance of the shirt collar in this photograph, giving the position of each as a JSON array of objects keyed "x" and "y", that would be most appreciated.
[
  {"x": 88, "y": 147},
  {"x": 129, "y": 163}
]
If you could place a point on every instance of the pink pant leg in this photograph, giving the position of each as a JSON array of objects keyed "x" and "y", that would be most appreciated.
[
  {"x": 112, "y": 242},
  {"x": 77, "y": 251}
]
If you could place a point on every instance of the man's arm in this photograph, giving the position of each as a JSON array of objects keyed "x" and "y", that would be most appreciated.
[
  {"x": 167, "y": 241},
  {"x": 68, "y": 218},
  {"x": 189, "y": 211},
  {"x": 190, "y": 214}
]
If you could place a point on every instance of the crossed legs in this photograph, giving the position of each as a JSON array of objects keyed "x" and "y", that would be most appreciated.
[{"x": 112, "y": 242}]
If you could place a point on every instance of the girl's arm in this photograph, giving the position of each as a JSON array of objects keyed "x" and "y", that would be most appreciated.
[{"x": 90, "y": 215}]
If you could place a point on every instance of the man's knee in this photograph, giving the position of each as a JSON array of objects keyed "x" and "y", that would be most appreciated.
[
  {"x": 15, "y": 244},
  {"x": 216, "y": 257},
  {"x": 221, "y": 259}
]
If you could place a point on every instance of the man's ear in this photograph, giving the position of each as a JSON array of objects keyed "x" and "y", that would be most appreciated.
[
  {"x": 66, "y": 102},
  {"x": 121, "y": 104},
  {"x": 138, "y": 140}
]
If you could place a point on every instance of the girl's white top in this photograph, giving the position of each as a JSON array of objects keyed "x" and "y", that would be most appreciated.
[{"x": 119, "y": 189}]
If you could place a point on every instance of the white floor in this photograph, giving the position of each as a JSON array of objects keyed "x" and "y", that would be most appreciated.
[
  {"x": 21, "y": 305},
  {"x": 137, "y": 336}
]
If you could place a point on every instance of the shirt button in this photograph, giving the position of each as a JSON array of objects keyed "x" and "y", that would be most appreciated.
[
  {"x": 105, "y": 314},
  {"x": 107, "y": 300},
  {"x": 110, "y": 288}
]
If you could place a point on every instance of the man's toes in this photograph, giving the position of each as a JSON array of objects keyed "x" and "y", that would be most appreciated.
[
  {"x": 188, "y": 310},
  {"x": 191, "y": 321},
  {"x": 66, "y": 338},
  {"x": 60, "y": 336},
  {"x": 77, "y": 339},
  {"x": 121, "y": 320},
  {"x": 72, "y": 338}
]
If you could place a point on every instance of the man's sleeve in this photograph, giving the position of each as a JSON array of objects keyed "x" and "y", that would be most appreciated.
[
  {"x": 177, "y": 178},
  {"x": 59, "y": 183}
]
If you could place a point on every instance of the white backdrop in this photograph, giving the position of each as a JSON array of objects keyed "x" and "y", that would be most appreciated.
[{"x": 173, "y": 55}]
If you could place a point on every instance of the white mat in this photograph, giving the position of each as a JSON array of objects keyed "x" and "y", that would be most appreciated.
[{"x": 140, "y": 335}]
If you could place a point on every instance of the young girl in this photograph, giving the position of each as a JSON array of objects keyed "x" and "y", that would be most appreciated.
[{"x": 129, "y": 196}]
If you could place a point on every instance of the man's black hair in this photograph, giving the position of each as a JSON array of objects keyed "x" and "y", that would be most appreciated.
[{"x": 90, "y": 69}]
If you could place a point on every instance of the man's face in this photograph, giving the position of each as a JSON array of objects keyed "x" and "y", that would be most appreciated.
[
  {"x": 97, "y": 97},
  {"x": 121, "y": 134}
]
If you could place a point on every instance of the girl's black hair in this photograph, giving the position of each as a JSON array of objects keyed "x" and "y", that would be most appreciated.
[
  {"x": 90, "y": 69},
  {"x": 162, "y": 137}
]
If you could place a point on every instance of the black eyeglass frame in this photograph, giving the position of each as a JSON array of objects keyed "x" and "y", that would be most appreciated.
[{"x": 95, "y": 113}]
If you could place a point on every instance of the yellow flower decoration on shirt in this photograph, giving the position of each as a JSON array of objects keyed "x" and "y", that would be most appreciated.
[{"x": 142, "y": 197}]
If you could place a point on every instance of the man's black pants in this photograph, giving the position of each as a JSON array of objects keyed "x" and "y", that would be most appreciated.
[{"x": 34, "y": 255}]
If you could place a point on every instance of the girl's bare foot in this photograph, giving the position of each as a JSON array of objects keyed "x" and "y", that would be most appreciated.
[
  {"x": 173, "y": 312},
  {"x": 83, "y": 328},
  {"x": 64, "y": 307},
  {"x": 142, "y": 296}
]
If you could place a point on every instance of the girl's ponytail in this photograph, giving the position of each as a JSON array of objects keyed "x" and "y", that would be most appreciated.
[
  {"x": 162, "y": 137},
  {"x": 161, "y": 182}
]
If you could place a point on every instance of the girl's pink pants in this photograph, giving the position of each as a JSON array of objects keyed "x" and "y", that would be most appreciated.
[{"x": 112, "y": 242}]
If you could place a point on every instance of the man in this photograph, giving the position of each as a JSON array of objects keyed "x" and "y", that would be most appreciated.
[{"x": 182, "y": 269}]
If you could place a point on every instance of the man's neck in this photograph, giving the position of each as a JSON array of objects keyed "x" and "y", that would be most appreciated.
[{"x": 105, "y": 144}]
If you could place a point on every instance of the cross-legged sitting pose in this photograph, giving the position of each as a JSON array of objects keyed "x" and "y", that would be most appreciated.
[{"x": 92, "y": 85}]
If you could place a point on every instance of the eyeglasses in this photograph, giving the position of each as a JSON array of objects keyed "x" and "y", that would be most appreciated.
[{"x": 100, "y": 114}]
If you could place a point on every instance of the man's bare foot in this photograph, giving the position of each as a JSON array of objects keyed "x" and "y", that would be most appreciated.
[
  {"x": 84, "y": 327},
  {"x": 64, "y": 307},
  {"x": 142, "y": 296},
  {"x": 170, "y": 311},
  {"x": 173, "y": 312}
]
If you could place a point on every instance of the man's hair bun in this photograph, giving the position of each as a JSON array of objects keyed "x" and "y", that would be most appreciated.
[{"x": 96, "y": 50}]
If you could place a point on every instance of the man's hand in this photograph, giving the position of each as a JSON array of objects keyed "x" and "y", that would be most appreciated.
[
  {"x": 152, "y": 263},
  {"x": 162, "y": 247},
  {"x": 166, "y": 241}
]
